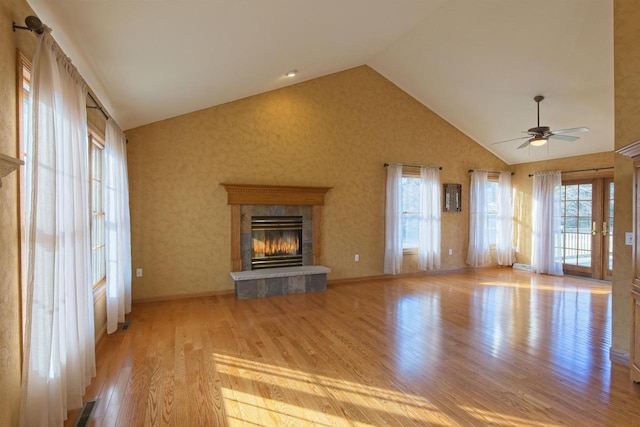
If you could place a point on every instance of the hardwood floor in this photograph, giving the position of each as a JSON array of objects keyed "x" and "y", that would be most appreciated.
[{"x": 491, "y": 347}]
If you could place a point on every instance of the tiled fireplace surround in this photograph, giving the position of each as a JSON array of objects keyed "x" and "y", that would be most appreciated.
[{"x": 261, "y": 200}]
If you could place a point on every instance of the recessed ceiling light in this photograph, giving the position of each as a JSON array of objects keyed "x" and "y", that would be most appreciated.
[{"x": 291, "y": 73}]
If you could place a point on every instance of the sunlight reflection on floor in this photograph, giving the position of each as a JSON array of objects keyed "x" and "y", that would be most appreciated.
[
  {"x": 555, "y": 287},
  {"x": 263, "y": 394}
]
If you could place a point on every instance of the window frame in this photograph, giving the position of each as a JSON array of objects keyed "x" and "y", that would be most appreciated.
[
  {"x": 493, "y": 180},
  {"x": 95, "y": 140},
  {"x": 409, "y": 172},
  {"x": 24, "y": 70}
]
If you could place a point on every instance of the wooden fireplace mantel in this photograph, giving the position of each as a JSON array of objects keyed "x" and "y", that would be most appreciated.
[{"x": 251, "y": 194}]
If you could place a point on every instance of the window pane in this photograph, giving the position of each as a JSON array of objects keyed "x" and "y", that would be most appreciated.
[
  {"x": 410, "y": 209},
  {"x": 491, "y": 198},
  {"x": 585, "y": 192},
  {"x": 571, "y": 192},
  {"x": 577, "y": 223},
  {"x": 97, "y": 219},
  {"x": 410, "y": 194},
  {"x": 410, "y": 230},
  {"x": 584, "y": 258},
  {"x": 584, "y": 225},
  {"x": 571, "y": 208},
  {"x": 584, "y": 208},
  {"x": 571, "y": 240},
  {"x": 570, "y": 256}
]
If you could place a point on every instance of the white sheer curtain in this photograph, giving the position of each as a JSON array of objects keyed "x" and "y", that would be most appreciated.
[
  {"x": 504, "y": 223},
  {"x": 117, "y": 227},
  {"x": 547, "y": 237},
  {"x": 393, "y": 221},
  {"x": 479, "y": 253},
  {"x": 59, "y": 358},
  {"x": 429, "y": 232}
]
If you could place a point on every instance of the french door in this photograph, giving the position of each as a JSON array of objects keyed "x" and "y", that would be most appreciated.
[{"x": 587, "y": 227}]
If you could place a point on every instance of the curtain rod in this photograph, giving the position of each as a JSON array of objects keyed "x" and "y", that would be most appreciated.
[
  {"x": 583, "y": 170},
  {"x": 34, "y": 24},
  {"x": 498, "y": 172},
  {"x": 417, "y": 166},
  {"x": 97, "y": 106}
]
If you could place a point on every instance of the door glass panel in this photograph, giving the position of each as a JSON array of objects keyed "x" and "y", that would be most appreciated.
[
  {"x": 576, "y": 222},
  {"x": 610, "y": 226}
]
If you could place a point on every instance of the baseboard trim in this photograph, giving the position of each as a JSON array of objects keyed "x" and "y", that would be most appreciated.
[
  {"x": 184, "y": 296},
  {"x": 100, "y": 334},
  {"x": 351, "y": 280},
  {"x": 330, "y": 282},
  {"x": 618, "y": 356}
]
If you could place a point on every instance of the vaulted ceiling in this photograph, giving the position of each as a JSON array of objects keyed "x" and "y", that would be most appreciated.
[{"x": 478, "y": 64}]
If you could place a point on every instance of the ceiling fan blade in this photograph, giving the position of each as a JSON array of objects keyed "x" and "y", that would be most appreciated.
[
  {"x": 572, "y": 130},
  {"x": 524, "y": 144},
  {"x": 565, "y": 137},
  {"x": 514, "y": 139}
]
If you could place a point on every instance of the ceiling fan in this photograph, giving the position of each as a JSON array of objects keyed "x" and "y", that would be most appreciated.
[{"x": 540, "y": 135}]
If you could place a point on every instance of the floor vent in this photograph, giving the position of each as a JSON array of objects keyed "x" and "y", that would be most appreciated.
[
  {"x": 518, "y": 266},
  {"x": 126, "y": 324},
  {"x": 85, "y": 414}
]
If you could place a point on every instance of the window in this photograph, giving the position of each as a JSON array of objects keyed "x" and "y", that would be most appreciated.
[
  {"x": 96, "y": 147},
  {"x": 491, "y": 194},
  {"x": 412, "y": 216},
  {"x": 491, "y": 219},
  {"x": 410, "y": 210},
  {"x": 24, "y": 108},
  {"x": 576, "y": 203}
]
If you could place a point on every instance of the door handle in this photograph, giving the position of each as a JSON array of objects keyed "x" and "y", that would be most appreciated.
[
  {"x": 593, "y": 228},
  {"x": 604, "y": 228}
]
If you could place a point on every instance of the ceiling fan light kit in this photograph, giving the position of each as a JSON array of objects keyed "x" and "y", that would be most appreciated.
[
  {"x": 538, "y": 141},
  {"x": 540, "y": 135}
]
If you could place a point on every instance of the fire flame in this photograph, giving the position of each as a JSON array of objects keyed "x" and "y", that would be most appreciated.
[{"x": 281, "y": 245}]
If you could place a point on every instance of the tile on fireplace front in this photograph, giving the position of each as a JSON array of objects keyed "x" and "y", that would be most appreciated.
[
  {"x": 246, "y": 289},
  {"x": 271, "y": 287},
  {"x": 316, "y": 282},
  {"x": 295, "y": 285}
]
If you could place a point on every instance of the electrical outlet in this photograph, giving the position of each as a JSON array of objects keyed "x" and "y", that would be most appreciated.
[
  {"x": 450, "y": 251},
  {"x": 356, "y": 258},
  {"x": 628, "y": 238},
  {"x": 138, "y": 272}
]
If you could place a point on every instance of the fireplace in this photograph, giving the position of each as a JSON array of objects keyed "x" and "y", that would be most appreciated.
[
  {"x": 249, "y": 200},
  {"x": 276, "y": 241},
  {"x": 300, "y": 208}
]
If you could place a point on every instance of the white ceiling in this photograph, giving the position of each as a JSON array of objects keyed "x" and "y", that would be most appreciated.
[{"x": 477, "y": 64}]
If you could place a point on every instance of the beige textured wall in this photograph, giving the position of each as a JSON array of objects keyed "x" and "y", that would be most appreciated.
[
  {"x": 627, "y": 111},
  {"x": 523, "y": 186},
  {"x": 335, "y": 131},
  {"x": 10, "y": 10}
]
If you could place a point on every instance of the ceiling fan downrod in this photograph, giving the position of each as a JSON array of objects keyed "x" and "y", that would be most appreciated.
[{"x": 538, "y": 99}]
